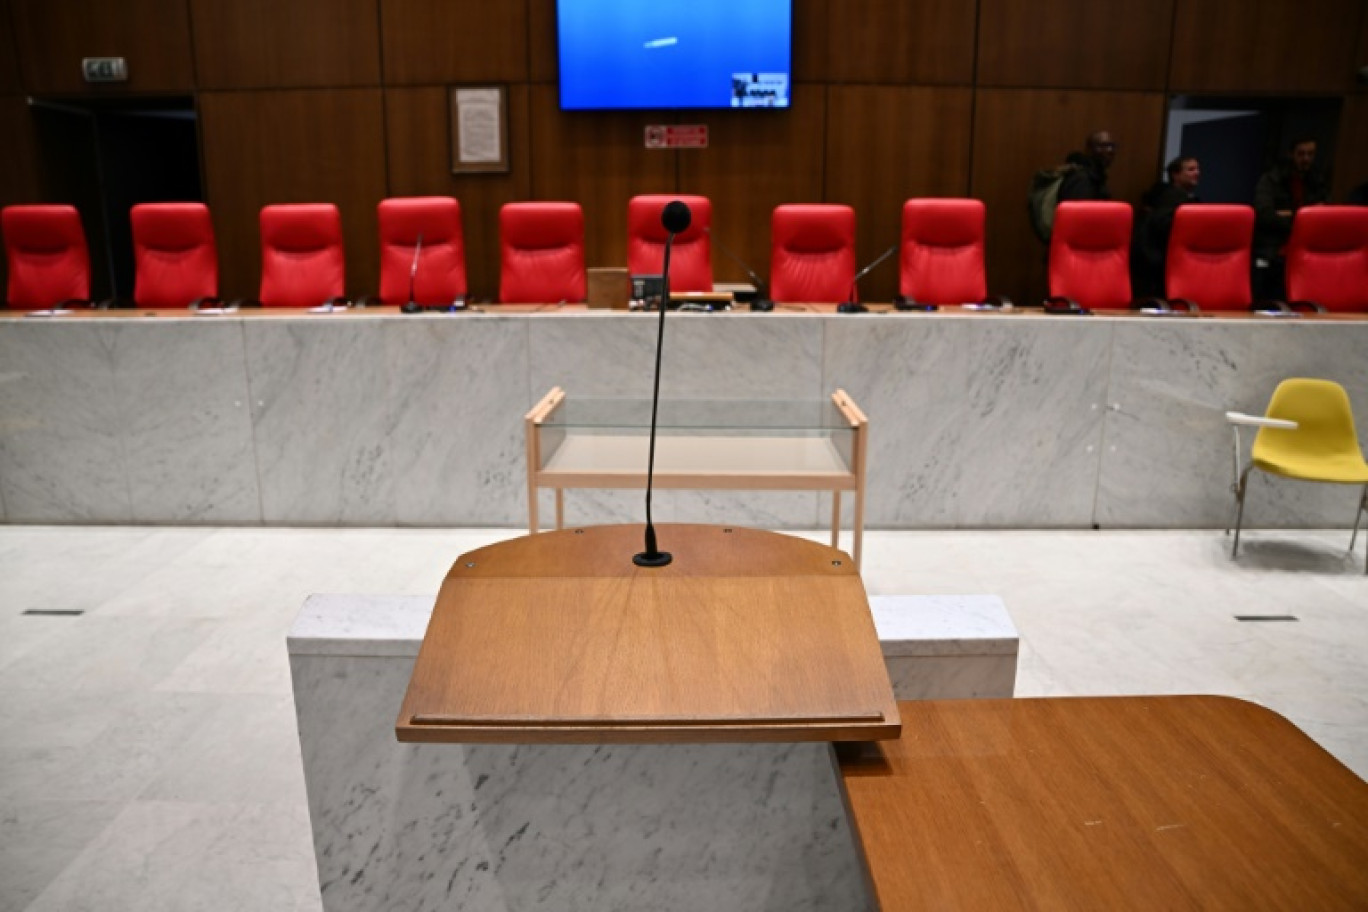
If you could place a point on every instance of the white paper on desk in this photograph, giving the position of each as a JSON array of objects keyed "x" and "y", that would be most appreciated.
[
  {"x": 55, "y": 312},
  {"x": 213, "y": 311},
  {"x": 328, "y": 308},
  {"x": 479, "y": 131}
]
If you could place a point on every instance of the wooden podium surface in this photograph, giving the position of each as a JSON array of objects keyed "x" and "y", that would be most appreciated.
[
  {"x": 1107, "y": 803},
  {"x": 560, "y": 638}
]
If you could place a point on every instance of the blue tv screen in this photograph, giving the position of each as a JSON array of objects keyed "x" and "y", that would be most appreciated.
[{"x": 617, "y": 54}]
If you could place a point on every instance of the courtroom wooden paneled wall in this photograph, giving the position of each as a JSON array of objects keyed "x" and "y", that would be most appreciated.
[{"x": 347, "y": 101}]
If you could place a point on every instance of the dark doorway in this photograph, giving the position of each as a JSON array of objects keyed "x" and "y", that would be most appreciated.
[
  {"x": 103, "y": 156},
  {"x": 1230, "y": 151},
  {"x": 1237, "y": 139}
]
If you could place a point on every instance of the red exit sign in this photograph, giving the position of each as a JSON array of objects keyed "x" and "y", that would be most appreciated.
[{"x": 689, "y": 136}]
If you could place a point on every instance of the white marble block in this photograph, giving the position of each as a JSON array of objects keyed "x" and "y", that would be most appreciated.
[
  {"x": 506, "y": 826},
  {"x": 947, "y": 647},
  {"x": 503, "y": 827}
]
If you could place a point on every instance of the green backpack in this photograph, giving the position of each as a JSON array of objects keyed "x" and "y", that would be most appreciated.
[{"x": 1043, "y": 198}]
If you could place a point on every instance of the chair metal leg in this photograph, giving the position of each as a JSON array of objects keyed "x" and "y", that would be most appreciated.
[
  {"x": 1241, "y": 487},
  {"x": 1358, "y": 514},
  {"x": 1234, "y": 472}
]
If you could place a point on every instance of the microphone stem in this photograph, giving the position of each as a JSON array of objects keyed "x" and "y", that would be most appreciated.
[{"x": 655, "y": 396}]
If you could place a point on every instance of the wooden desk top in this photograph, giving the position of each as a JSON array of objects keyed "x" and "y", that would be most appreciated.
[
  {"x": 1107, "y": 803},
  {"x": 254, "y": 313},
  {"x": 560, "y": 638}
]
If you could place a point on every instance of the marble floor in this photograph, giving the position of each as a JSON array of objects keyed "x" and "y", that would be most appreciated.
[{"x": 148, "y": 756}]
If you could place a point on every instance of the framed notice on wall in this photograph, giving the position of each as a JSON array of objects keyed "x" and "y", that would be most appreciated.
[{"x": 479, "y": 129}]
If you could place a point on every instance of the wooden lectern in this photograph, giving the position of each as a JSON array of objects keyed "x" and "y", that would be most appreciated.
[{"x": 560, "y": 638}]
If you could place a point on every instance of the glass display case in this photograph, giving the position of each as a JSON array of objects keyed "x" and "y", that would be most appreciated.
[{"x": 701, "y": 444}]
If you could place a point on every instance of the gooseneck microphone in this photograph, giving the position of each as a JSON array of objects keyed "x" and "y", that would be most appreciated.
[
  {"x": 851, "y": 305},
  {"x": 675, "y": 218},
  {"x": 762, "y": 302},
  {"x": 413, "y": 270}
]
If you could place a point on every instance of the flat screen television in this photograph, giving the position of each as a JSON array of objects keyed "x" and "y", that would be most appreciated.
[{"x": 625, "y": 54}]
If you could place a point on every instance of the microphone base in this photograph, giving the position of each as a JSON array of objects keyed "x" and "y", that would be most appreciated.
[
  {"x": 851, "y": 307},
  {"x": 647, "y": 559}
]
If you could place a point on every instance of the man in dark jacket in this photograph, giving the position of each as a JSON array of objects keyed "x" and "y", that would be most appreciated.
[
  {"x": 1289, "y": 185},
  {"x": 1155, "y": 224},
  {"x": 1089, "y": 180}
]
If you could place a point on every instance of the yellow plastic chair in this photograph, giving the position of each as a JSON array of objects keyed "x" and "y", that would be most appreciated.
[{"x": 1308, "y": 434}]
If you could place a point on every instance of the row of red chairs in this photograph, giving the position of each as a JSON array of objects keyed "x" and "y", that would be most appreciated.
[
  {"x": 422, "y": 255},
  {"x": 1209, "y": 258}
]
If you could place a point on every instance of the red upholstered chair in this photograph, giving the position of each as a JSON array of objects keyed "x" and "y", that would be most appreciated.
[
  {"x": 941, "y": 261},
  {"x": 1209, "y": 257},
  {"x": 542, "y": 258},
  {"x": 302, "y": 263},
  {"x": 1327, "y": 258},
  {"x": 440, "y": 276},
  {"x": 691, "y": 256},
  {"x": 812, "y": 253},
  {"x": 49, "y": 264},
  {"x": 1090, "y": 256},
  {"x": 174, "y": 257}
]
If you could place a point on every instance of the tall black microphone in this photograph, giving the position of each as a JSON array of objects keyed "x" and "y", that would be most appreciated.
[
  {"x": 413, "y": 270},
  {"x": 850, "y": 305},
  {"x": 675, "y": 218},
  {"x": 761, "y": 303}
]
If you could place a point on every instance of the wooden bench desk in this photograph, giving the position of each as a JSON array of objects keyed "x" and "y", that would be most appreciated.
[{"x": 1107, "y": 803}]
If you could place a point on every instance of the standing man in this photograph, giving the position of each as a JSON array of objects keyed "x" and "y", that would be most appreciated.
[
  {"x": 1289, "y": 185},
  {"x": 1089, "y": 180}
]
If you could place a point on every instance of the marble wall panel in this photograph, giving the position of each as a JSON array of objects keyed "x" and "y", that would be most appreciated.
[
  {"x": 707, "y": 356},
  {"x": 1167, "y": 454},
  {"x": 734, "y": 826},
  {"x": 322, "y": 416},
  {"x": 186, "y": 425},
  {"x": 61, "y": 449},
  {"x": 975, "y": 421},
  {"x": 457, "y": 448},
  {"x": 1166, "y": 457}
]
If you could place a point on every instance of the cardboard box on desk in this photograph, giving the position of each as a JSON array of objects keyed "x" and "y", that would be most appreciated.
[{"x": 609, "y": 287}]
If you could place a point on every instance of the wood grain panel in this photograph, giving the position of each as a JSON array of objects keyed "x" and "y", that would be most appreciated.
[
  {"x": 543, "y": 63},
  {"x": 9, "y": 58},
  {"x": 286, "y": 43},
  {"x": 1275, "y": 46},
  {"x": 598, "y": 159},
  {"x": 886, "y": 144},
  {"x": 1075, "y": 43},
  {"x": 893, "y": 41},
  {"x": 153, "y": 35},
  {"x": 756, "y": 161},
  {"x": 658, "y": 655},
  {"x": 1017, "y": 132},
  {"x": 1107, "y": 803},
  {"x": 1361, "y": 56},
  {"x": 1351, "y": 153},
  {"x": 418, "y": 140},
  {"x": 445, "y": 41},
  {"x": 292, "y": 147},
  {"x": 811, "y": 41}
]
